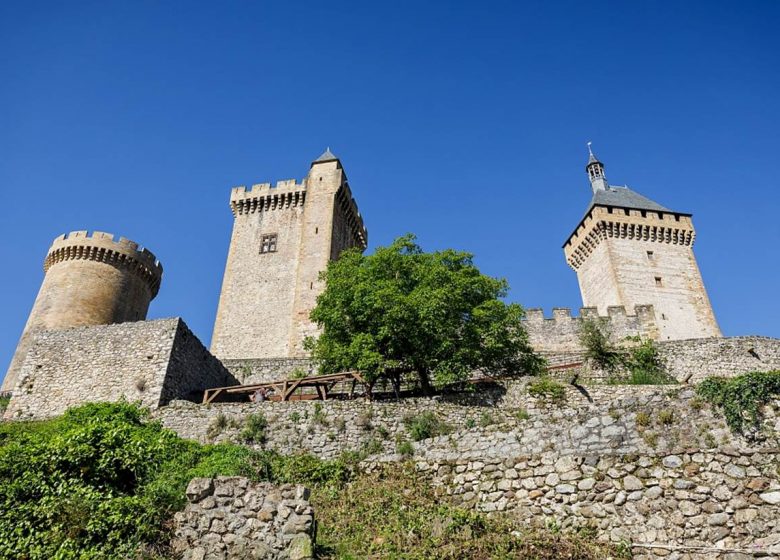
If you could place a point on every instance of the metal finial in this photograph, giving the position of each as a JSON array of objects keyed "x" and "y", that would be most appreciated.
[{"x": 589, "y": 150}]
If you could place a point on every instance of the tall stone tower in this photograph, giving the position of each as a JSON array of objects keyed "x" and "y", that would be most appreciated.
[
  {"x": 90, "y": 280},
  {"x": 629, "y": 250},
  {"x": 283, "y": 237}
]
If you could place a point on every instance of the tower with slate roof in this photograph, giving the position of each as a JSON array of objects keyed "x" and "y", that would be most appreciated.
[
  {"x": 628, "y": 250},
  {"x": 283, "y": 237}
]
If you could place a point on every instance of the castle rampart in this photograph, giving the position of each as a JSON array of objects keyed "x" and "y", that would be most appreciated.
[
  {"x": 561, "y": 332},
  {"x": 152, "y": 362},
  {"x": 90, "y": 279}
]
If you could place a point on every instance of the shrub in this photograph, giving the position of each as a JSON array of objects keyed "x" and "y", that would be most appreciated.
[
  {"x": 319, "y": 415},
  {"x": 470, "y": 423},
  {"x": 382, "y": 432},
  {"x": 594, "y": 337},
  {"x": 371, "y": 447},
  {"x": 666, "y": 417},
  {"x": 4, "y": 403},
  {"x": 644, "y": 365},
  {"x": 405, "y": 448},
  {"x": 216, "y": 426},
  {"x": 254, "y": 429},
  {"x": 486, "y": 419},
  {"x": 426, "y": 425},
  {"x": 98, "y": 482},
  {"x": 741, "y": 398},
  {"x": 295, "y": 417},
  {"x": 522, "y": 414},
  {"x": 548, "y": 389},
  {"x": 642, "y": 419}
]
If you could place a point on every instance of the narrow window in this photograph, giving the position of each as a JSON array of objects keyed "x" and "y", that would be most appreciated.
[
  {"x": 316, "y": 230},
  {"x": 650, "y": 255},
  {"x": 268, "y": 243},
  {"x": 663, "y": 316},
  {"x": 311, "y": 285},
  {"x": 658, "y": 281}
]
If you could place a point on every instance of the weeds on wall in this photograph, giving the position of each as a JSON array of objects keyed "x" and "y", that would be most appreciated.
[
  {"x": 254, "y": 429},
  {"x": 638, "y": 364},
  {"x": 548, "y": 389},
  {"x": 4, "y": 401},
  {"x": 741, "y": 398},
  {"x": 426, "y": 425}
]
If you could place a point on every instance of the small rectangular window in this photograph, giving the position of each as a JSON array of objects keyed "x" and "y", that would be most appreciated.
[
  {"x": 658, "y": 281},
  {"x": 650, "y": 255},
  {"x": 268, "y": 243}
]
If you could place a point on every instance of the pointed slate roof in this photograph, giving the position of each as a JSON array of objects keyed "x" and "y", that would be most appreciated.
[
  {"x": 327, "y": 155},
  {"x": 623, "y": 197}
]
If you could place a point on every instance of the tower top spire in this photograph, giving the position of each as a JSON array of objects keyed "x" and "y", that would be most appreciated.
[{"x": 595, "y": 170}]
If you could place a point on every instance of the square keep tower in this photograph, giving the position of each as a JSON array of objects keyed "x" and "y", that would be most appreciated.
[
  {"x": 629, "y": 250},
  {"x": 283, "y": 237}
]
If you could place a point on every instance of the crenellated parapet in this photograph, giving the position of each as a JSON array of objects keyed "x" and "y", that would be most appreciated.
[
  {"x": 101, "y": 247},
  {"x": 354, "y": 220},
  {"x": 263, "y": 197},
  {"x": 561, "y": 332},
  {"x": 602, "y": 223}
]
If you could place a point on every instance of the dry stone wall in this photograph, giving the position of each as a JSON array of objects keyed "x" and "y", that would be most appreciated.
[
  {"x": 151, "y": 362},
  {"x": 501, "y": 421},
  {"x": 233, "y": 518},
  {"x": 262, "y": 370},
  {"x": 709, "y": 501}
]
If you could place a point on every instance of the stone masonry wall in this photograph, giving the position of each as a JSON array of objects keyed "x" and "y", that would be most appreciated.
[
  {"x": 261, "y": 370},
  {"x": 706, "y": 500},
  {"x": 502, "y": 421},
  {"x": 693, "y": 360},
  {"x": 561, "y": 332},
  {"x": 232, "y": 518},
  {"x": 147, "y": 361}
]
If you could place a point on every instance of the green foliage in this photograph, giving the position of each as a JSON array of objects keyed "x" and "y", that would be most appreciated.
[
  {"x": 595, "y": 338},
  {"x": 97, "y": 482},
  {"x": 470, "y": 423},
  {"x": 433, "y": 315},
  {"x": 319, "y": 416},
  {"x": 295, "y": 416},
  {"x": 548, "y": 389},
  {"x": 396, "y": 514},
  {"x": 644, "y": 365},
  {"x": 666, "y": 417},
  {"x": 741, "y": 398},
  {"x": 426, "y": 425},
  {"x": 522, "y": 414},
  {"x": 642, "y": 419},
  {"x": 254, "y": 428},
  {"x": 4, "y": 403},
  {"x": 405, "y": 448},
  {"x": 298, "y": 373},
  {"x": 103, "y": 480},
  {"x": 486, "y": 419}
]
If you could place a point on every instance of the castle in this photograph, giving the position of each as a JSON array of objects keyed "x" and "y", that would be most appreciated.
[{"x": 633, "y": 258}]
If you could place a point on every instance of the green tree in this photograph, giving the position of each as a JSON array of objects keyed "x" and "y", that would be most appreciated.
[{"x": 404, "y": 311}]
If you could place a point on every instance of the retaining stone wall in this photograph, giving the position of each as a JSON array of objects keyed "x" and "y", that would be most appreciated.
[
  {"x": 262, "y": 370},
  {"x": 605, "y": 419},
  {"x": 232, "y": 518},
  {"x": 152, "y": 362},
  {"x": 727, "y": 498},
  {"x": 693, "y": 360}
]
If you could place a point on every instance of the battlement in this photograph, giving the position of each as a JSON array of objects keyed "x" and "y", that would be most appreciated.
[
  {"x": 263, "y": 197},
  {"x": 101, "y": 246},
  {"x": 560, "y": 333}
]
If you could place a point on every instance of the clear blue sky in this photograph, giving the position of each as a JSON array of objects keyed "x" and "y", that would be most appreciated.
[{"x": 464, "y": 123}]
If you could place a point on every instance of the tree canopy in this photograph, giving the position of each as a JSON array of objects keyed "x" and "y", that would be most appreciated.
[{"x": 402, "y": 310}]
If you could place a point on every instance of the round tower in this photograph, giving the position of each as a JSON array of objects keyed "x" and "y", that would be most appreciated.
[{"x": 89, "y": 280}]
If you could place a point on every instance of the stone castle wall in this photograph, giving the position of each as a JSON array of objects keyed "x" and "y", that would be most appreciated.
[
  {"x": 262, "y": 370},
  {"x": 599, "y": 419},
  {"x": 148, "y": 361},
  {"x": 698, "y": 505},
  {"x": 91, "y": 279},
  {"x": 561, "y": 332},
  {"x": 266, "y": 297},
  {"x": 633, "y": 257},
  {"x": 233, "y": 517}
]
